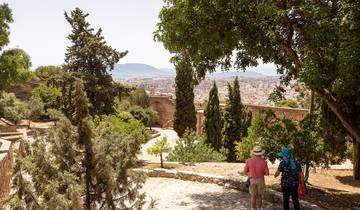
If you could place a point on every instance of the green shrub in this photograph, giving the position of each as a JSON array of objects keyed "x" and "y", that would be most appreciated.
[
  {"x": 36, "y": 108},
  {"x": 192, "y": 148},
  {"x": 12, "y": 108}
]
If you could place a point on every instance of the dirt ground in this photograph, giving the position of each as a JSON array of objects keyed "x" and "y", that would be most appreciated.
[{"x": 328, "y": 188}]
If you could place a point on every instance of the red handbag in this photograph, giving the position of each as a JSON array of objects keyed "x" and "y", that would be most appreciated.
[{"x": 301, "y": 191}]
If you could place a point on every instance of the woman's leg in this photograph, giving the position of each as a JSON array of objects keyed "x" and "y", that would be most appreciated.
[
  {"x": 286, "y": 195},
  {"x": 295, "y": 198}
]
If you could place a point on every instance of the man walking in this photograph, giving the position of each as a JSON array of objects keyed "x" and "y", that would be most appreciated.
[{"x": 256, "y": 168}]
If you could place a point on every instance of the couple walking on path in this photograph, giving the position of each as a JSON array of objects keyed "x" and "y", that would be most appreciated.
[{"x": 256, "y": 168}]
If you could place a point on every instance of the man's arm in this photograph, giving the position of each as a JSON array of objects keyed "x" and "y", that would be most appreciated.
[
  {"x": 266, "y": 170},
  {"x": 246, "y": 168}
]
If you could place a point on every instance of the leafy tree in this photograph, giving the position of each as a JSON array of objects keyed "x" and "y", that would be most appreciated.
[
  {"x": 14, "y": 63},
  {"x": 185, "y": 114},
  {"x": 213, "y": 122},
  {"x": 306, "y": 138},
  {"x": 123, "y": 105},
  {"x": 161, "y": 146},
  {"x": 192, "y": 148},
  {"x": 304, "y": 97},
  {"x": 146, "y": 116},
  {"x": 90, "y": 56},
  {"x": 49, "y": 96},
  {"x": 153, "y": 117},
  {"x": 314, "y": 42},
  {"x": 14, "y": 67},
  {"x": 140, "y": 98},
  {"x": 232, "y": 120},
  {"x": 287, "y": 103},
  {"x": 47, "y": 73},
  {"x": 123, "y": 91}
]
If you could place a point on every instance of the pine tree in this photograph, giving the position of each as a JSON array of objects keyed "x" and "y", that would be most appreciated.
[
  {"x": 232, "y": 120},
  {"x": 212, "y": 122},
  {"x": 185, "y": 114},
  {"x": 80, "y": 167},
  {"x": 90, "y": 56}
]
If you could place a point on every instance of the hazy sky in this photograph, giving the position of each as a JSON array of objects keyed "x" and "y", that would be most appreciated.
[{"x": 40, "y": 29}]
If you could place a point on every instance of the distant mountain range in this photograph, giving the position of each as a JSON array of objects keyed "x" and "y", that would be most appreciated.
[{"x": 140, "y": 70}]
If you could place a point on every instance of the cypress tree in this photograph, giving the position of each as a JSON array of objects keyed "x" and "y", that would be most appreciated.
[
  {"x": 245, "y": 121},
  {"x": 212, "y": 122},
  {"x": 232, "y": 120},
  {"x": 185, "y": 114},
  {"x": 92, "y": 58},
  {"x": 84, "y": 136}
]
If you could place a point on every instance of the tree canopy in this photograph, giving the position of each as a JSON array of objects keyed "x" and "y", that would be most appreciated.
[
  {"x": 14, "y": 63},
  {"x": 315, "y": 42}
]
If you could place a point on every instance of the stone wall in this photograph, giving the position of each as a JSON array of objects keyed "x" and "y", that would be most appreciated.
[
  {"x": 6, "y": 164},
  {"x": 296, "y": 114},
  {"x": 165, "y": 106},
  {"x": 6, "y": 126}
]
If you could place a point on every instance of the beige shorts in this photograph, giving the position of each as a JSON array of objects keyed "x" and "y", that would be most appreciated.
[{"x": 257, "y": 186}]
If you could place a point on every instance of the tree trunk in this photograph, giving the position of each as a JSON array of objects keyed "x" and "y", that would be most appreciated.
[
  {"x": 306, "y": 172},
  {"x": 161, "y": 161},
  {"x": 306, "y": 176},
  {"x": 356, "y": 159},
  {"x": 87, "y": 196},
  {"x": 351, "y": 127}
]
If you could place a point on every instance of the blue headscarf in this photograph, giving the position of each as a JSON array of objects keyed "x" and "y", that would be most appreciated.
[{"x": 285, "y": 152}]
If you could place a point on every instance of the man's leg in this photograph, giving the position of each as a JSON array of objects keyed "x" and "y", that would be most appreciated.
[
  {"x": 259, "y": 201},
  {"x": 253, "y": 201},
  {"x": 261, "y": 190},
  {"x": 253, "y": 193}
]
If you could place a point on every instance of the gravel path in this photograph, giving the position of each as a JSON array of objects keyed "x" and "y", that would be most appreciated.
[{"x": 180, "y": 195}]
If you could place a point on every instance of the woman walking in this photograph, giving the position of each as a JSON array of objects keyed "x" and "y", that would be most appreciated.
[{"x": 289, "y": 169}]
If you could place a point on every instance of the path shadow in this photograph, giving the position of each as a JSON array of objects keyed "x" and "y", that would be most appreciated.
[
  {"x": 348, "y": 180},
  {"x": 231, "y": 200},
  {"x": 333, "y": 199}
]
